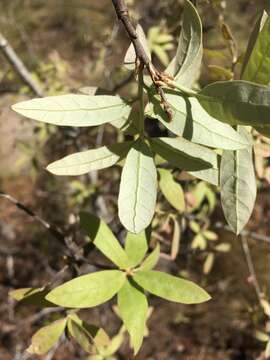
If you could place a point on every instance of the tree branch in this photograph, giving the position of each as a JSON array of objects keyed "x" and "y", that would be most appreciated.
[{"x": 18, "y": 65}]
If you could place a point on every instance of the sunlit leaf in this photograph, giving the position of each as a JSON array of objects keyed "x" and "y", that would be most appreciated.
[
  {"x": 185, "y": 67},
  {"x": 88, "y": 290},
  {"x": 208, "y": 264},
  {"x": 184, "y": 154},
  {"x": 138, "y": 189},
  {"x": 31, "y": 296},
  {"x": 151, "y": 261},
  {"x": 257, "y": 60},
  {"x": 170, "y": 287},
  {"x": 136, "y": 246},
  {"x": 172, "y": 191},
  {"x": 45, "y": 338},
  {"x": 80, "y": 335},
  {"x": 104, "y": 239},
  {"x": 83, "y": 162},
  {"x": 191, "y": 121},
  {"x": 238, "y": 185},
  {"x": 237, "y": 102},
  {"x": 133, "y": 309},
  {"x": 74, "y": 110}
]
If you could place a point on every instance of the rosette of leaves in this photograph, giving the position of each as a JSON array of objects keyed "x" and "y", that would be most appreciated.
[
  {"x": 214, "y": 117},
  {"x": 132, "y": 278}
]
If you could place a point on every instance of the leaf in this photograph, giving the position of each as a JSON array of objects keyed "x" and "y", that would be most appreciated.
[
  {"x": 209, "y": 175},
  {"x": 238, "y": 186},
  {"x": 176, "y": 239},
  {"x": 136, "y": 247},
  {"x": 183, "y": 154},
  {"x": 208, "y": 264},
  {"x": 130, "y": 57},
  {"x": 190, "y": 120},
  {"x": 88, "y": 290},
  {"x": 83, "y": 162},
  {"x": 237, "y": 102},
  {"x": 104, "y": 239},
  {"x": 267, "y": 350},
  {"x": 31, "y": 296},
  {"x": 133, "y": 308},
  {"x": 151, "y": 261},
  {"x": 185, "y": 67},
  {"x": 172, "y": 191},
  {"x": 170, "y": 287},
  {"x": 257, "y": 60},
  {"x": 138, "y": 189},
  {"x": 74, "y": 110},
  {"x": 80, "y": 335},
  {"x": 46, "y": 337}
]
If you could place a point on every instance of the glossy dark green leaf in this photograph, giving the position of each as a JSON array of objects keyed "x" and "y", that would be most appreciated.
[
  {"x": 237, "y": 102},
  {"x": 136, "y": 246},
  {"x": 185, "y": 67},
  {"x": 238, "y": 185},
  {"x": 74, "y": 110},
  {"x": 46, "y": 337},
  {"x": 172, "y": 190},
  {"x": 104, "y": 239},
  {"x": 257, "y": 61},
  {"x": 88, "y": 290},
  {"x": 138, "y": 188},
  {"x": 133, "y": 307},
  {"x": 191, "y": 121},
  {"x": 83, "y": 162},
  {"x": 170, "y": 287}
]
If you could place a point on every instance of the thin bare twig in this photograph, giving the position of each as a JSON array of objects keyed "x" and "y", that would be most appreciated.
[
  {"x": 251, "y": 268},
  {"x": 19, "y": 66}
]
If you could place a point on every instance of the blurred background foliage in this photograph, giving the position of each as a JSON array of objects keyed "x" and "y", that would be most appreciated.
[{"x": 69, "y": 44}]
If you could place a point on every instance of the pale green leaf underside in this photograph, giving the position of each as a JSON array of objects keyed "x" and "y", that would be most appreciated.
[
  {"x": 185, "y": 67},
  {"x": 238, "y": 185},
  {"x": 133, "y": 306},
  {"x": 256, "y": 68},
  {"x": 151, "y": 261},
  {"x": 83, "y": 162},
  {"x": 138, "y": 189},
  {"x": 185, "y": 154},
  {"x": 74, "y": 110},
  {"x": 45, "y": 338},
  {"x": 192, "y": 122},
  {"x": 237, "y": 102},
  {"x": 136, "y": 247},
  {"x": 88, "y": 290},
  {"x": 130, "y": 57},
  {"x": 104, "y": 239},
  {"x": 170, "y": 287},
  {"x": 172, "y": 191}
]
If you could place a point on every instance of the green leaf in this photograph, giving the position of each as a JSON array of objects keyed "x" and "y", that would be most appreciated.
[
  {"x": 170, "y": 287},
  {"x": 191, "y": 121},
  {"x": 257, "y": 60},
  {"x": 31, "y": 296},
  {"x": 238, "y": 185},
  {"x": 133, "y": 307},
  {"x": 184, "y": 155},
  {"x": 172, "y": 191},
  {"x": 185, "y": 67},
  {"x": 74, "y": 110},
  {"x": 83, "y": 162},
  {"x": 88, "y": 290},
  {"x": 209, "y": 175},
  {"x": 80, "y": 335},
  {"x": 130, "y": 56},
  {"x": 45, "y": 338},
  {"x": 151, "y": 261},
  {"x": 104, "y": 239},
  {"x": 138, "y": 189},
  {"x": 237, "y": 102},
  {"x": 136, "y": 247}
]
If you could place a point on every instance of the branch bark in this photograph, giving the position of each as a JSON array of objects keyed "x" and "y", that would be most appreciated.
[{"x": 19, "y": 66}]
